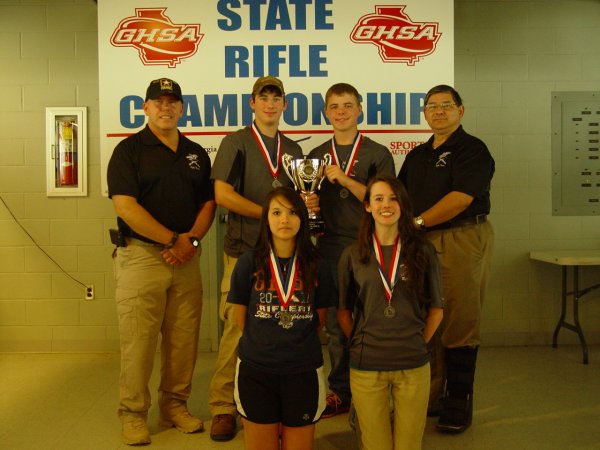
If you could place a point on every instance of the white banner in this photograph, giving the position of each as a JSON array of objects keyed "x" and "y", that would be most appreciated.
[{"x": 215, "y": 50}]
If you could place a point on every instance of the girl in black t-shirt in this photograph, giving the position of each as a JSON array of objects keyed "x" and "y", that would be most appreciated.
[{"x": 281, "y": 296}]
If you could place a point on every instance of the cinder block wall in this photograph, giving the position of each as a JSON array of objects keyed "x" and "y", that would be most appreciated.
[
  {"x": 510, "y": 56},
  {"x": 49, "y": 57}
]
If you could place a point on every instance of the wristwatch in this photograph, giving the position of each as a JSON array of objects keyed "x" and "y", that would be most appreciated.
[
  {"x": 419, "y": 221},
  {"x": 195, "y": 241}
]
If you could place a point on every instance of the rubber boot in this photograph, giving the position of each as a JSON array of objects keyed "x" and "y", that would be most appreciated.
[{"x": 457, "y": 404}]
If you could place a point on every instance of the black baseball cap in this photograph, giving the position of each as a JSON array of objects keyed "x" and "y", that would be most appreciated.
[{"x": 163, "y": 86}]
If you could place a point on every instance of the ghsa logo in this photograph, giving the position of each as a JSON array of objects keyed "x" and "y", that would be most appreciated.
[
  {"x": 399, "y": 38},
  {"x": 158, "y": 40}
]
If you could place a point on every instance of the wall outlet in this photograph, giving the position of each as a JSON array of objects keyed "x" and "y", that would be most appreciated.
[{"x": 89, "y": 292}]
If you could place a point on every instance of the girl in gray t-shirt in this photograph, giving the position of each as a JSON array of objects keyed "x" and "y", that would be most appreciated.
[{"x": 390, "y": 306}]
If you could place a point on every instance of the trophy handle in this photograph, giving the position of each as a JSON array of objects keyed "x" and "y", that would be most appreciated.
[
  {"x": 327, "y": 160},
  {"x": 287, "y": 161}
]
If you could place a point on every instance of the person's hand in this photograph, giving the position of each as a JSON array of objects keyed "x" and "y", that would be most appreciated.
[
  {"x": 182, "y": 251},
  {"x": 170, "y": 257},
  {"x": 335, "y": 174},
  {"x": 312, "y": 203}
]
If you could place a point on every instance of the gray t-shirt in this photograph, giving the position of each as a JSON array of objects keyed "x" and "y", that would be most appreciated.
[
  {"x": 342, "y": 213},
  {"x": 378, "y": 342},
  {"x": 241, "y": 163}
]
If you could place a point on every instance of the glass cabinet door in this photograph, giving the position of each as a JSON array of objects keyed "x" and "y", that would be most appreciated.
[{"x": 66, "y": 167}]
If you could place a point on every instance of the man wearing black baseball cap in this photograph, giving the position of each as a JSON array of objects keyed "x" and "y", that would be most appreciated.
[{"x": 159, "y": 182}]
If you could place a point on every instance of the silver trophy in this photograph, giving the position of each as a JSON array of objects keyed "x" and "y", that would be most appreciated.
[{"x": 307, "y": 175}]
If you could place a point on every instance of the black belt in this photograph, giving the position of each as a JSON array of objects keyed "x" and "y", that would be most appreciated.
[
  {"x": 474, "y": 220},
  {"x": 137, "y": 241},
  {"x": 123, "y": 240}
]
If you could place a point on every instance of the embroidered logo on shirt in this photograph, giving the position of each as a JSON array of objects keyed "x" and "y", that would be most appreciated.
[
  {"x": 352, "y": 170},
  {"x": 403, "y": 272},
  {"x": 193, "y": 161},
  {"x": 441, "y": 162}
]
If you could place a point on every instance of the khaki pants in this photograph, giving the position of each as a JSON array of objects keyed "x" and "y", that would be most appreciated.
[
  {"x": 465, "y": 256},
  {"x": 409, "y": 391},
  {"x": 222, "y": 385},
  {"x": 155, "y": 298}
]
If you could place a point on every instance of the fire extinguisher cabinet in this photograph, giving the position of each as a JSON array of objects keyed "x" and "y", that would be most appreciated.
[{"x": 66, "y": 162}]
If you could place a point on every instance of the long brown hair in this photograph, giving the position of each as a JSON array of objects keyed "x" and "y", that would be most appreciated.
[
  {"x": 306, "y": 252},
  {"x": 412, "y": 240}
]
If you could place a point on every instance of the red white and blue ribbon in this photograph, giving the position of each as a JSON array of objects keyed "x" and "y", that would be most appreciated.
[
  {"x": 273, "y": 168},
  {"x": 352, "y": 158},
  {"x": 390, "y": 276},
  {"x": 284, "y": 284}
]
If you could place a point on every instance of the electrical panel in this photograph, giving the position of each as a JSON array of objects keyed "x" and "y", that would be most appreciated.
[{"x": 575, "y": 153}]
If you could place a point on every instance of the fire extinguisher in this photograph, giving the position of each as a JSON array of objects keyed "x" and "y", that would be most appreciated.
[{"x": 67, "y": 154}]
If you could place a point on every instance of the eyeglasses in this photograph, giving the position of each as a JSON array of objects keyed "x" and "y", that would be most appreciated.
[{"x": 443, "y": 106}]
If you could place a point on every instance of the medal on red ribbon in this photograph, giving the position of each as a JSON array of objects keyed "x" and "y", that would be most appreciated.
[
  {"x": 347, "y": 168},
  {"x": 285, "y": 287},
  {"x": 388, "y": 277},
  {"x": 273, "y": 168}
]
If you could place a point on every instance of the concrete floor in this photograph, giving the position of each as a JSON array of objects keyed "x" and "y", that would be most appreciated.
[{"x": 525, "y": 398}]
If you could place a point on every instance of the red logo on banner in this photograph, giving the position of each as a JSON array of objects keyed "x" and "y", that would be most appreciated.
[
  {"x": 399, "y": 38},
  {"x": 158, "y": 40}
]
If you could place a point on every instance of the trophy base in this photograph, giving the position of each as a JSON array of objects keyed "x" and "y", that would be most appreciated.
[{"x": 316, "y": 225}]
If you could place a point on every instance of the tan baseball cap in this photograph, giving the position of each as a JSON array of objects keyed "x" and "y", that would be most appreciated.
[{"x": 263, "y": 82}]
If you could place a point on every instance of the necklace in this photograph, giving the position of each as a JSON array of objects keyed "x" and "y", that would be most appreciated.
[{"x": 284, "y": 265}]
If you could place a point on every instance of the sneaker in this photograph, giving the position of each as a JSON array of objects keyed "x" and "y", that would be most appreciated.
[
  {"x": 334, "y": 406},
  {"x": 135, "y": 431},
  {"x": 223, "y": 427},
  {"x": 183, "y": 421}
]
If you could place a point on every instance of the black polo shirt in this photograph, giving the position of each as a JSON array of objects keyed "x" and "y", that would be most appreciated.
[
  {"x": 171, "y": 186},
  {"x": 463, "y": 163}
]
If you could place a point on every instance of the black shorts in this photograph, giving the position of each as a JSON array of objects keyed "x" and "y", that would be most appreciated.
[{"x": 295, "y": 400}]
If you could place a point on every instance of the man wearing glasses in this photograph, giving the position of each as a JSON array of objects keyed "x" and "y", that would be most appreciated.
[{"x": 448, "y": 179}]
